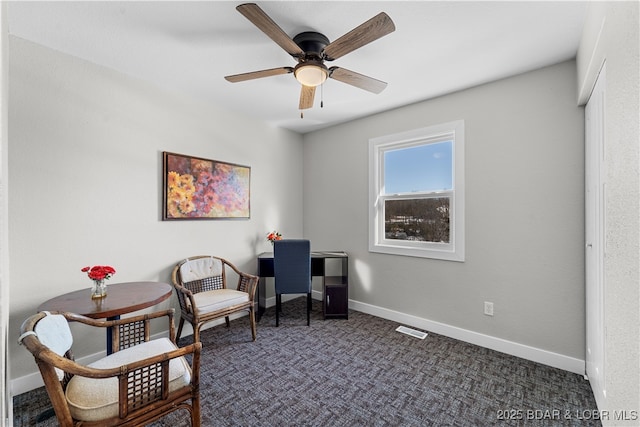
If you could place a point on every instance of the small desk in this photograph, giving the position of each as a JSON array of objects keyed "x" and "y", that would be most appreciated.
[
  {"x": 335, "y": 288},
  {"x": 121, "y": 298}
]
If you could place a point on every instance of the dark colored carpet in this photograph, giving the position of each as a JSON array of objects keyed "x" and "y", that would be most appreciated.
[{"x": 360, "y": 372}]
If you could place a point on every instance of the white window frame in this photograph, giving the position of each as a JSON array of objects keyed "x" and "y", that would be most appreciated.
[{"x": 452, "y": 251}]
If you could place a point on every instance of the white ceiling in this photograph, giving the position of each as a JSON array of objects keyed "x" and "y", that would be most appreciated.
[{"x": 188, "y": 47}]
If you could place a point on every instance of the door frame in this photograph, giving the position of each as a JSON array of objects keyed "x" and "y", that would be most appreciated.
[{"x": 595, "y": 196}]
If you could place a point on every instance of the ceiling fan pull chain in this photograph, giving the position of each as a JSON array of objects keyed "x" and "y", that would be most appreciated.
[
  {"x": 322, "y": 95},
  {"x": 301, "y": 115}
]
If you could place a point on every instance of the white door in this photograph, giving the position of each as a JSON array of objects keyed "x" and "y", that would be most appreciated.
[{"x": 594, "y": 222}]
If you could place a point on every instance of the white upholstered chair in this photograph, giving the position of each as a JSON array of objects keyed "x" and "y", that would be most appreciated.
[
  {"x": 140, "y": 382},
  {"x": 201, "y": 286}
]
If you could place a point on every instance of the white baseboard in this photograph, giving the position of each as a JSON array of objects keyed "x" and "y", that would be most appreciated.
[
  {"x": 509, "y": 347},
  {"x": 32, "y": 381}
]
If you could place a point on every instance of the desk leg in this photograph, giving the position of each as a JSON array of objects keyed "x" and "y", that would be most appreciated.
[
  {"x": 262, "y": 298},
  {"x": 265, "y": 269}
]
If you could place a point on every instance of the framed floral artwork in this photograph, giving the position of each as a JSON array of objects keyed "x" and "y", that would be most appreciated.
[{"x": 197, "y": 188}]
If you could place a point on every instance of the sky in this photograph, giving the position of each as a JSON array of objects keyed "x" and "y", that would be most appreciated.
[{"x": 426, "y": 167}]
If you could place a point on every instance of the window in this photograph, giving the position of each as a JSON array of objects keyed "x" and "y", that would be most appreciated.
[{"x": 416, "y": 192}]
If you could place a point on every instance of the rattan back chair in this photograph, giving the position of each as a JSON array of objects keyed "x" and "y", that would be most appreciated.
[
  {"x": 140, "y": 382},
  {"x": 203, "y": 294}
]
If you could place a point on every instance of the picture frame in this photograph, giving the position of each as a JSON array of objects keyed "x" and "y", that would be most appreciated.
[{"x": 199, "y": 188}]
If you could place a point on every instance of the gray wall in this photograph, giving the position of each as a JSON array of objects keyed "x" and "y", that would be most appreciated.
[
  {"x": 524, "y": 212},
  {"x": 85, "y": 173}
]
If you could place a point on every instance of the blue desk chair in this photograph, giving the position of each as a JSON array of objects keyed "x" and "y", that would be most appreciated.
[{"x": 292, "y": 271}]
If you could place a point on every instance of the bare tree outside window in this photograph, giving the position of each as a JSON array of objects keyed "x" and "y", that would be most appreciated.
[{"x": 422, "y": 220}]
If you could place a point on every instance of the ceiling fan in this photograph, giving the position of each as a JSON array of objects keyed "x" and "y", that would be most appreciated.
[{"x": 311, "y": 49}]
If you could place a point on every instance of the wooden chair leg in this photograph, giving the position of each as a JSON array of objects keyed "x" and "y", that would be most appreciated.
[
  {"x": 196, "y": 333},
  {"x": 309, "y": 309},
  {"x": 180, "y": 325},
  {"x": 278, "y": 304},
  {"x": 252, "y": 320},
  {"x": 195, "y": 410},
  {"x": 226, "y": 319}
]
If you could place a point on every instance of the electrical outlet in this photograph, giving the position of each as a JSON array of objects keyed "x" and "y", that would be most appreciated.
[{"x": 488, "y": 308}]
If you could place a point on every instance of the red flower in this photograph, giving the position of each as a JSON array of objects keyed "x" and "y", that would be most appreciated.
[
  {"x": 99, "y": 272},
  {"x": 273, "y": 236}
]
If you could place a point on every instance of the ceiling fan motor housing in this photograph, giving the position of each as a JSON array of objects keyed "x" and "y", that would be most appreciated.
[
  {"x": 312, "y": 43},
  {"x": 311, "y": 70}
]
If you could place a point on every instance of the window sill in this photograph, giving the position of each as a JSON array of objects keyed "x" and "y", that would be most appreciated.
[{"x": 444, "y": 255}]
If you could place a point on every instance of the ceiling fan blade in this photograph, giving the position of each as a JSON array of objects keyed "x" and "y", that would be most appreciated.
[
  {"x": 376, "y": 27},
  {"x": 307, "y": 94},
  {"x": 258, "y": 74},
  {"x": 253, "y": 13},
  {"x": 356, "y": 79}
]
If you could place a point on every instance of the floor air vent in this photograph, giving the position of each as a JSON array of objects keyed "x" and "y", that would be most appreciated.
[{"x": 412, "y": 332}]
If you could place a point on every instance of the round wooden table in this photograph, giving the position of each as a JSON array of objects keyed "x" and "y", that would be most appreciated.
[{"x": 121, "y": 298}]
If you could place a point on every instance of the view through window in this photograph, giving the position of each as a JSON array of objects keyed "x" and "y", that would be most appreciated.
[{"x": 418, "y": 189}]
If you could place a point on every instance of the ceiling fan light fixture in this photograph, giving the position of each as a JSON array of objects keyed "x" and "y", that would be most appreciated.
[{"x": 311, "y": 74}]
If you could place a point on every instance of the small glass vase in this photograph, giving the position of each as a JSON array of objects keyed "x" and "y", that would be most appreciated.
[{"x": 99, "y": 289}]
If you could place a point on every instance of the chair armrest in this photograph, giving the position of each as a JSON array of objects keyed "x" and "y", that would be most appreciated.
[
  {"x": 246, "y": 282},
  {"x": 109, "y": 323},
  {"x": 129, "y": 331},
  {"x": 74, "y": 368},
  {"x": 185, "y": 298}
]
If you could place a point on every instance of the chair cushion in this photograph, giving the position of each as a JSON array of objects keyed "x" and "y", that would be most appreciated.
[
  {"x": 200, "y": 268},
  {"x": 94, "y": 399},
  {"x": 218, "y": 299},
  {"x": 53, "y": 331}
]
